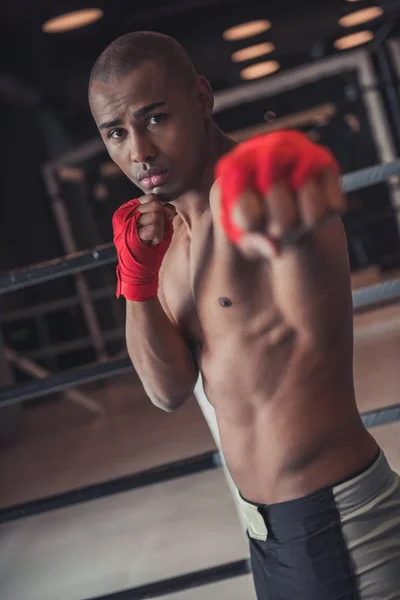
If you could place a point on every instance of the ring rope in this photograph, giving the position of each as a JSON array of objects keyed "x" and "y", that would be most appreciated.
[{"x": 106, "y": 255}]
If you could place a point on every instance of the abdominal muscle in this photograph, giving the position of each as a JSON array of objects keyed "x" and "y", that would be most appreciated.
[{"x": 288, "y": 420}]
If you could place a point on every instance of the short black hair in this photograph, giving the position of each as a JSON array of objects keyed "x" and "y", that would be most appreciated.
[{"x": 129, "y": 51}]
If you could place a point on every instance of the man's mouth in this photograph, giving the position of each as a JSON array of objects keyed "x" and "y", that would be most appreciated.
[{"x": 153, "y": 180}]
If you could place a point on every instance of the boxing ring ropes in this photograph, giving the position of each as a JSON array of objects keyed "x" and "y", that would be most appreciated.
[
  {"x": 367, "y": 298},
  {"x": 364, "y": 299}
]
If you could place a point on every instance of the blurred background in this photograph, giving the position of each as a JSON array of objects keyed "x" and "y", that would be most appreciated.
[{"x": 330, "y": 69}]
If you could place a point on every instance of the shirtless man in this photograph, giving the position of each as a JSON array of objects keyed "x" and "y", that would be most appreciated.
[{"x": 264, "y": 315}]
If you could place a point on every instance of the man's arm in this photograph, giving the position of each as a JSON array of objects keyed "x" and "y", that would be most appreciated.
[
  {"x": 143, "y": 231},
  {"x": 279, "y": 197},
  {"x": 311, "y": 283},
  {"x": 160, "y": 355}
]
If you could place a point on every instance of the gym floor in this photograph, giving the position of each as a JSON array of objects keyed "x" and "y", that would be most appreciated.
[{"x": 156, "y": 532}]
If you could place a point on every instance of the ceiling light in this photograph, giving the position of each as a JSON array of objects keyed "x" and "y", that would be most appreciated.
[
  {"x": 246, "y": 30},
  {"x": 353, "y": 0},
  {"x": 361, "y": 16},
  {"x": 353, "y": 40},
  {"x": 260, "y": 70},
  {"x": 253, "y": 52},
  {"x": 72, "y": 20}
]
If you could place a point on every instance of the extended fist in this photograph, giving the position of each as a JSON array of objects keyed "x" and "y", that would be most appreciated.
[{"x": 275, "y": 189}]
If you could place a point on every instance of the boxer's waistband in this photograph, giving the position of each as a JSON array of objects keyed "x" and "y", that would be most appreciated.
[{"x": 285, "y": 519}]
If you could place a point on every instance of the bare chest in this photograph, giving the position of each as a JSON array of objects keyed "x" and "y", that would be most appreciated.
[{"x": 212, "y": 292}]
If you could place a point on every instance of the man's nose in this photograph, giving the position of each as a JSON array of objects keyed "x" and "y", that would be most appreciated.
[{"x": 142, "y": 150}]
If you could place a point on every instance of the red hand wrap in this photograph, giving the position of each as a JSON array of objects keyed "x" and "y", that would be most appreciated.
[
  {"x": 284, "y": 156},
  {"x": 138, "y": 263}
]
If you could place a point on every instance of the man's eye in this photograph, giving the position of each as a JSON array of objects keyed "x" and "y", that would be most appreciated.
[
  {"x": 116, "y": 134},
  {"x": 156, "y": 119}
]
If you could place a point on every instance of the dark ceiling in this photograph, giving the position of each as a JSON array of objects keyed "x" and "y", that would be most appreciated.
[
  {"x": 58, "y": 65},
  {"x": 44, "y": 77}
]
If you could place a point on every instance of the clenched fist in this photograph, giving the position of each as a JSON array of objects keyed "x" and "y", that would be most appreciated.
[
  {"x": 275, "y": 189},
  {"x": 154, "y": 215},
  {"x": 142, "y": 235}
]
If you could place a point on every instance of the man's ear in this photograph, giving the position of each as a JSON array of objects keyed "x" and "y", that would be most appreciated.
[{"x": 205, "y": 96}]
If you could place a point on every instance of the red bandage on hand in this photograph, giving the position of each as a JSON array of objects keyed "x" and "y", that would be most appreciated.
[
  {"x": 285, "y": 157},
  {"x": 138, "y": 263}
]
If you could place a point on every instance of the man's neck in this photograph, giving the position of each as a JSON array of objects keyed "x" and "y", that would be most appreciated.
[{"x": 196, "y": 201}]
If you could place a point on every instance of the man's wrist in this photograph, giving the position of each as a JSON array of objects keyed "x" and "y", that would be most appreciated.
[{"x": 137, "y": 291}]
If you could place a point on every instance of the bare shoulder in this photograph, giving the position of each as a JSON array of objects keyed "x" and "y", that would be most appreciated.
[
  {"x": 174, "y": 290},
  {"x": 215, "y": 199},
  {"x": 178, "y": 251}
]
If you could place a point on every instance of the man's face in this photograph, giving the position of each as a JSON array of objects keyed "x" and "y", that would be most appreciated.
[{"x": 153, "y": 128}]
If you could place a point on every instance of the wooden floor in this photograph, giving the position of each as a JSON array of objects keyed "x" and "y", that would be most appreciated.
[{"x": 157, "y": 532}]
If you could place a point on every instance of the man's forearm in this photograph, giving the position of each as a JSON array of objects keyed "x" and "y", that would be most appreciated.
[
  {"x": 159, "y": 354},
  {"x": 302, "y": 279}
]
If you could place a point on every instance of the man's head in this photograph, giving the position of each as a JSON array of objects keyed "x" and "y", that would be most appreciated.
[{"x": 153, "y": 112}]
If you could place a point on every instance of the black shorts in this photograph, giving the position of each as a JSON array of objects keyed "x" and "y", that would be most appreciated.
[{"x": 340, "y": 543}]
